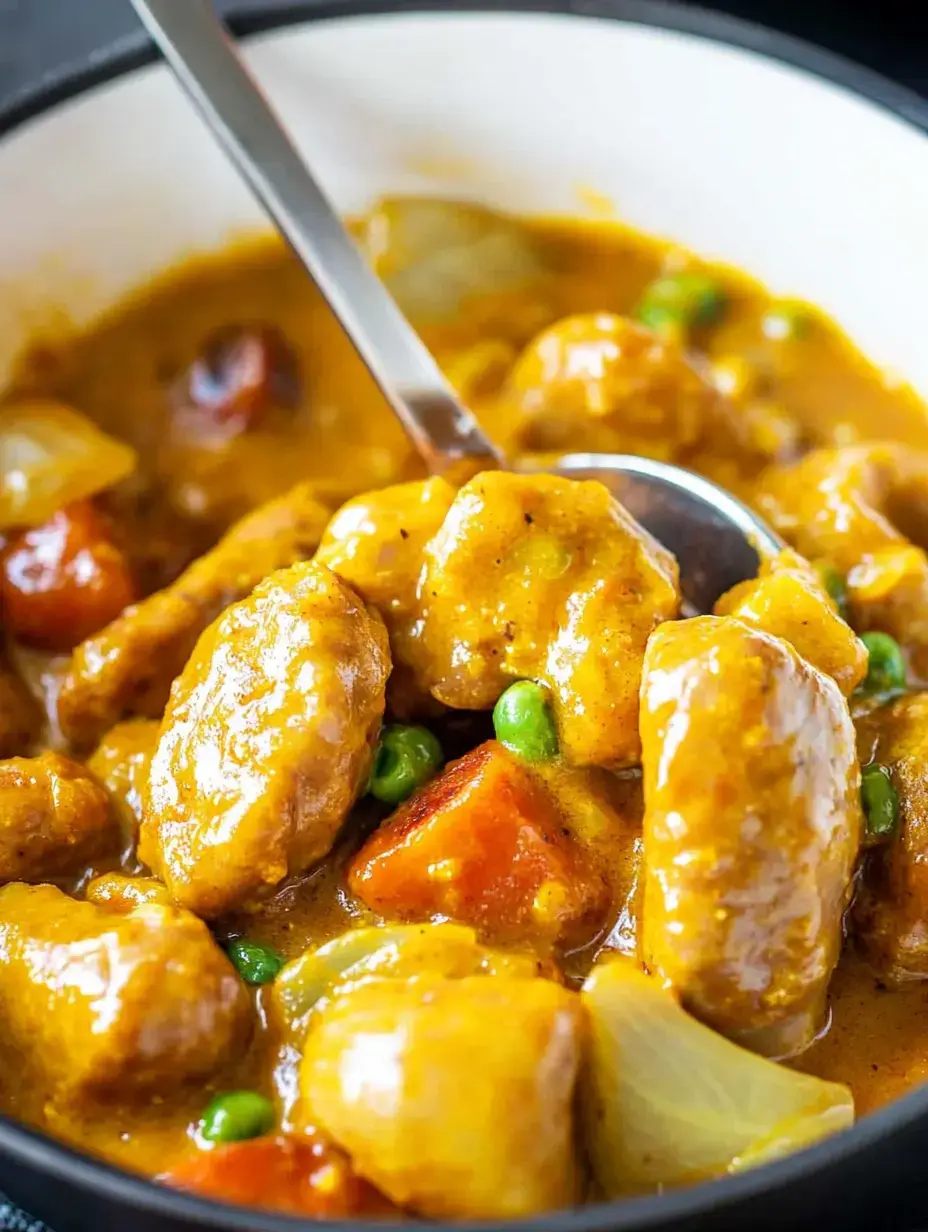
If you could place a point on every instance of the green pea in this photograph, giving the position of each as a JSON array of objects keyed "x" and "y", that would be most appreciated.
[
  {"x": 880, "y": 801},
  {"x": 237, "y": 1115},
  {"x": 886, "y": 668},
  {"x": 524, "y": 723},
  {"x": 406, "y": 757},
  {"x": 835, "y": 584},
  {"x": 690, "y": 298},
  {"x": 787, "y": 320},
  {"x": 255, "y": 963}
]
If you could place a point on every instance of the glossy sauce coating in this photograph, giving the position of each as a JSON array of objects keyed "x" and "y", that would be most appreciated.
[{"x": 331, "y": 427}]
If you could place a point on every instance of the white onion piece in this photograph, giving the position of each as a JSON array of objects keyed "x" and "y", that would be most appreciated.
[
  {"x": 50, "y": 455},
  {"x": 666, "y": 1101},
  {"x": 400, "y": 950},
  {"x": 436, "y": 255}
]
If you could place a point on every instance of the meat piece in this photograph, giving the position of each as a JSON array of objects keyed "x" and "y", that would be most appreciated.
[
  {"x": 128, "y": 668},
  {"x": 64, "y": 580},
  {"x": 548, "y": 579},
  {"x": 100, "y": 1006},
  {"x": 470, "y": 1115},
  {"x": 845, "y": 506},
  {"x": 297, "y": 1176},
  {"x": 891, "y": 909},
  {"x": 789, "y": 600},
  {"x": 54, "y": 818},
  {"x": 602, "y": 382},
  {"x": 484, "y": 844},
  {"x": 121, "y": 762},
  {"x": 267, "y": 741},
  {"x": 751, "y": 831},
  {"x": 376, "y": 544},
  {"x": 118, "y": 892},
  {"x": 241, "y": 373},
  {"x": 21, "y": 718}
]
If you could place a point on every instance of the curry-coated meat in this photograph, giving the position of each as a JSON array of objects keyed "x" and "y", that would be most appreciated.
[
  {"x": 376, "y": 543},
  {"x": 537, "y": 577},
  {"x": 120, "y": 892},
  {"x": 55, "y": 818},
  {"x": 602, "y": 382},
  {"x": 788, "y": 599},
  {"x": 122, "y": 761},
  {"x": 847, "y": 506},
  {"x": 102, "y": 1006},
  {"x": 127, "y": 668},
  {"x": 267, "y": 740},
  {"x": 21, "y": 718},
  {"x": 891, "y": 910},
  {"x": 428, "y": 1135},
  {"x": 751, "y": 830}
]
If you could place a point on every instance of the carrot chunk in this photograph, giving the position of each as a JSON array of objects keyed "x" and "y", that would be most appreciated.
[
  {"x": 298, "y": 1176},
  {"x": 484, "y": 844}
]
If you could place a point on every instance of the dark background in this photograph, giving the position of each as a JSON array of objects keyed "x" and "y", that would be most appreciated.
[
  {"x": 38, "y": 37},
  {"x": 41, "y": 38}
]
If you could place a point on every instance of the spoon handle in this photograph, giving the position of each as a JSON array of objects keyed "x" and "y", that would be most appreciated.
[{"x": 207, "y": 65}]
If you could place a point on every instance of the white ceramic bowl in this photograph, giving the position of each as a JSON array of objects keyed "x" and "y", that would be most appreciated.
[{"x": 745, "y": 146}]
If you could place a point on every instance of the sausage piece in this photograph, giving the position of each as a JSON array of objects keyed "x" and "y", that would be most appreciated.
[
  {"x": 121, "y": 762},
  {"x": 127, "y": 668},
  {"x": 55, "y": 818},
  {"x": 890, "y": 916},
  {"x": 751, "y": 831},
  {"x": 267, "y": 740},
  {"x": 102, "y": 1006}
]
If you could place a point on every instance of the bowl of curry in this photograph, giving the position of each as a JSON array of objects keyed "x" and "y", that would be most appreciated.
[{"x": 373, "y": 848}]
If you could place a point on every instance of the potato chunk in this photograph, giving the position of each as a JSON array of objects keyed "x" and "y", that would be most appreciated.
[
  {"x": 54, "y": 818},
  {"x": 538, "y": 577},
  {"x": 127, "y": 668},
  {"x": 789, "y": 600},
  {"x": 103, "y": 1006},
  {"x": 891, "y": 911},
  {"x": 267, "y": 741},
  {"x": 376, "y": 543},
  {"x": 484, "y": 844},
  {"x": 751, "y": 831},
  {"x": 452, "y": 1096},
  {"x": 849, "y": 506}
]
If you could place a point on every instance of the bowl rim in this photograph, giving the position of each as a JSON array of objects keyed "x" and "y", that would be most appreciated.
[{"x": 123, "y": 56}]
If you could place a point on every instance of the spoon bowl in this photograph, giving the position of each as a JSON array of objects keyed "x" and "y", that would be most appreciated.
[{"x": 717, "y": 540}]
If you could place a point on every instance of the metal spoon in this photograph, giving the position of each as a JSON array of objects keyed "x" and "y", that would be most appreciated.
[{"x": 717, "y": 540}]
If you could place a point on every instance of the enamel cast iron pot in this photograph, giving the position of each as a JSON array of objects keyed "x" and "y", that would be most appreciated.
[{"x": 746, "y": 146}]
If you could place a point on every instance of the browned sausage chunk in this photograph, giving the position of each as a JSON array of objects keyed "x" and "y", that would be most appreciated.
[
  {"x": 128, "y": 668},
  {"x": 267, "y": 741},
  {"x": 54, "y": 818},
  {"x": 98, "y": 1005},
  {"x": 752, "y": 828},
  {"x": 891, "y": 910}
]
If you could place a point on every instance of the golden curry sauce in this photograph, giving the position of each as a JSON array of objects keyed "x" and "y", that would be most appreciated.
[{"x": 796, "y": 385}]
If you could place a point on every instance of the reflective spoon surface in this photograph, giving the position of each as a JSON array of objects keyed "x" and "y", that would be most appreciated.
[{"x": 716, "y": 539}]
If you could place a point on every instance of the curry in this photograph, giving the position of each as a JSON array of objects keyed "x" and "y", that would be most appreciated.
[{"x": 370, "y": 845}]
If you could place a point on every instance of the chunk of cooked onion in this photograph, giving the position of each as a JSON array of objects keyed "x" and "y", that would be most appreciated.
[
  {"x": 50, "y": 455},
  {"x": 666, "y": 1101},
  {"x": 436, "y": 255},
  {"x": 449, "y": 950}
]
